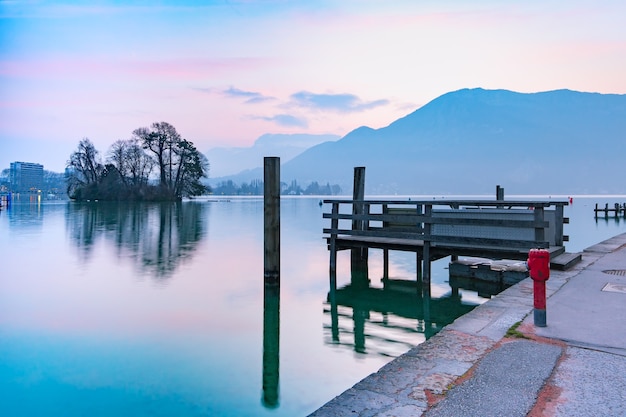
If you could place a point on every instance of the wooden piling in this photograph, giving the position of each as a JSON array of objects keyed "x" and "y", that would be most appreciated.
[
  {"x": 499, "y": 193},
  {"x": 271, "y": 211},
  {"x": 359, "y": 256},
  {"x": 616, "y": 210},
  {"x": 428, "y": 211},
  {"x": 358, "y": 194}
]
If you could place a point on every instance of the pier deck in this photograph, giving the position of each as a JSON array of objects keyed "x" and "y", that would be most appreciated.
[{"x": 494, "y": 229}]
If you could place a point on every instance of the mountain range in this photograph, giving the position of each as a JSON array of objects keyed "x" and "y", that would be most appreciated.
[
  {"x": 467, "y": 141},
  {"x": 231, "y": 161}
]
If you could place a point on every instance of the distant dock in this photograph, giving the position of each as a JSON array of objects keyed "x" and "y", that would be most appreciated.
[{"x": 615, "y": 211}]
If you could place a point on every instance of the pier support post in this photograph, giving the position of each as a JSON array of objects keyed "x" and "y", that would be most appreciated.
[
  {"x": 358, "y": 194},
  {"x": 428, "y": 211},
  {"x": 359, "y": 256}
]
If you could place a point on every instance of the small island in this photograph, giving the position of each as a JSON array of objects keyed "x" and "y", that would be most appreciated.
[{"x": 155, "y": 164}]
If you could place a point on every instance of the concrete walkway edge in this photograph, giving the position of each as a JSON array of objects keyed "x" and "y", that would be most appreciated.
[{"x": 425, "y": 376}]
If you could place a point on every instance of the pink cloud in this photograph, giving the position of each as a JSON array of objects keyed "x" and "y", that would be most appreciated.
[{"x": 157, "y": 68}]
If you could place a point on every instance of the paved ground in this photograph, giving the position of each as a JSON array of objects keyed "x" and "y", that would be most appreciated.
[{"x": 576, "y": 366}]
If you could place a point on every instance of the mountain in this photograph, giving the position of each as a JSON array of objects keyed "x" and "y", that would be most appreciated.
[
  {"x": 230, "y": 161},
  {"x": 467, "y": 141}
]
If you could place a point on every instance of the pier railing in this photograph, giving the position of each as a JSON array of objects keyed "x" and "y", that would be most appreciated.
[{"x": 489, "y": 228}]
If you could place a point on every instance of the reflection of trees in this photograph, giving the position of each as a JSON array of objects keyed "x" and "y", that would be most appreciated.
[{"x": 157, "y": 235}]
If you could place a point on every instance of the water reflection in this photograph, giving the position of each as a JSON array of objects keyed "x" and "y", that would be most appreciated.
[
  {"x": 391, "y": 319},
  {"x": 610, "y": 220},
  {"x": 158, "y": 236},
  {"x": 271, "y": 344},
  {"x": 24, "y": 213}
]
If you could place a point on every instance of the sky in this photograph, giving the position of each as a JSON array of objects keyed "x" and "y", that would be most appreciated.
[{"x": 224, "y": 73}]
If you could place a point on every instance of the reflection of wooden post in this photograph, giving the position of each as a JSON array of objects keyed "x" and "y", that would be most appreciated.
[
  {"x": 428, "y": 324},
  {"x": 271, "y": 211},
  {"x": 359, "y": 315},
  {"x": 359, "y": 272},
  {"x": 334, "y": 314},
  {"x": 271, "y": 300},
  {"x": 385, "y": 266},
  {"x": 271, "y": 343}
]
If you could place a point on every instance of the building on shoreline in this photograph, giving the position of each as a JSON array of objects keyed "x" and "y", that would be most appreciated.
[{"x": 26, "y": 177}]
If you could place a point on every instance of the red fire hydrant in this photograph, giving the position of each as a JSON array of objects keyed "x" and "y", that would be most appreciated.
[{"x": 539, "y": 267}]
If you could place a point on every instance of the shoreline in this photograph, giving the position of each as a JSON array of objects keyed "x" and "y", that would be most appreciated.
[{"x": 412, "y": 383}]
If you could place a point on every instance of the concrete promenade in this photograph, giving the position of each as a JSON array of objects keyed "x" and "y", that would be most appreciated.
[{"x": 576, "y": 366}]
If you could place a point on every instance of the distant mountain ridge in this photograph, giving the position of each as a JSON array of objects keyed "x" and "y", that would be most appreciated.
[
  {"x": 231, "y": 161},
  {"x": 467, "y": 141}
]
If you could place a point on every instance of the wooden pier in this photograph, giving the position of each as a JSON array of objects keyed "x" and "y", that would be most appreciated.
[
  {"x": 496, "y": 229},
  {"x": 616, "y": 210}
]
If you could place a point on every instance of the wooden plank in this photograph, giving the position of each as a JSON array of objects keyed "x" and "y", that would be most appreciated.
[
  {"x": 388, "y": 242},
  {"x": 457, "y": 203},
  {"x": 440, "y": 241},
  {"x": 459, "y": 219},
  {"x": 565, "y": 261}
]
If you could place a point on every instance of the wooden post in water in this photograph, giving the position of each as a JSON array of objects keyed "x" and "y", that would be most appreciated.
[
  {"x": 271, "y": 300},
  {"x": 359, "y": 256},
  {"x": 271, "y": 211},
  {"x": 499, "y": 193},
  {"x": 428, "y": 212},
  {"x": 358, "y": 193}
]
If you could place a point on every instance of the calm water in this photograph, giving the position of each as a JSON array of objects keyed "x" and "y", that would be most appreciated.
[{"x": 158, "y": 310}]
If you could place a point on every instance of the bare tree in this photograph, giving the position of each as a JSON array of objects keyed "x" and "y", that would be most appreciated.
[
  {"x": 160, "y": 139},
  {"x": 85, "y": 167},
  {"x": 180, "y": 164},
  {"x": 132, "y": 163},
  {"x": 117, "y": 157},
  {"x": 140, "y": 165}
]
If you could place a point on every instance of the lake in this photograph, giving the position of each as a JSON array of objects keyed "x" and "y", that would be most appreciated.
[{"x": 161, "y": 310}]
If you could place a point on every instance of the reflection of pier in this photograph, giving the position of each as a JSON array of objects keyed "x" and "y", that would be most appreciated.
[
  {"x": 387, "y": 320},
  {"x": 496, "y": 229}
]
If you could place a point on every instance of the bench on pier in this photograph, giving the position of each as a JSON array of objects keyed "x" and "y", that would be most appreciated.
[{"x": 494, "y": 229}]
